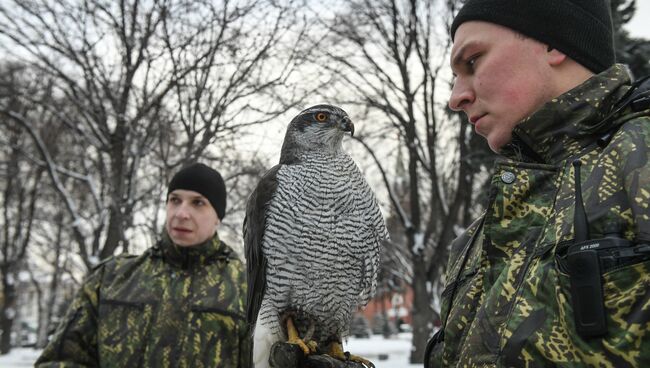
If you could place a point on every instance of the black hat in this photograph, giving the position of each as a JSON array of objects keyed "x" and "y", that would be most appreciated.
[
  {"x": 204, "y": 180},
  {"x": 581, "y": 29}
]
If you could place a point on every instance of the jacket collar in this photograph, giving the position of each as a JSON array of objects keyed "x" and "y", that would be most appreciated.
[
  {"x": 194, "y": 256},
  {"x": 568, "y": 124}
]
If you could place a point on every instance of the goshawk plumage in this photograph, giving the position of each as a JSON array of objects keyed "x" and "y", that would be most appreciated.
[{"x": 312, "y": 233}]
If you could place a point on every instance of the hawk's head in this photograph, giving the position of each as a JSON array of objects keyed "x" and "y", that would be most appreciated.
[{"x": 318, "y": 128}]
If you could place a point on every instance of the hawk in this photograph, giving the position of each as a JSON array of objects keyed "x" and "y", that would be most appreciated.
[{"x": 312, "y": 234}]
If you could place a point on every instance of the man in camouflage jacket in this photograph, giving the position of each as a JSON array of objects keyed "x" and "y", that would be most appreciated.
[
  {"x": 538, "y": 80},
  {"x": 180, "y": 304}
]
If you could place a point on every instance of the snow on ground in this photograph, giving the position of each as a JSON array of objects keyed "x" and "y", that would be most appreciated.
[
  {"x": 19, "y": 358},
  {"x": 385, "y": 353}
]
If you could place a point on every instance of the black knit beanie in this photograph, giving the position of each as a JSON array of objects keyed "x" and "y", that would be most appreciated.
[
  {"x": 204, "y": 180},
  {"x": 581, "y": 29}
]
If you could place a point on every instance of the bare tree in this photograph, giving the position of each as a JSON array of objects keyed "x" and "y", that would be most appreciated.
[
  {"x": 23, "y": 168},
  {"x": 391, "y": 56},
  {"x": 143, "y": 81},
  {"x": 20, "y": 183}
]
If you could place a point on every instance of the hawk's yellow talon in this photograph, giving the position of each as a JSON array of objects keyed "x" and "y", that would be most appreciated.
[
  {"x": 336, "y": 351},
  {"x": 294, "y": 338},
  {"x": 312, "y": 345}
]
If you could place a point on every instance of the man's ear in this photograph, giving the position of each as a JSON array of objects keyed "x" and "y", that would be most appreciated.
[{"x": 555, "y": 57}]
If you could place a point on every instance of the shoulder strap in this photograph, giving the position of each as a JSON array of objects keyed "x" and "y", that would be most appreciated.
[
  {"x": 439, "y": 336},
  {"x": 640, "y": 98},
  {"x": 637, "y": 98}
]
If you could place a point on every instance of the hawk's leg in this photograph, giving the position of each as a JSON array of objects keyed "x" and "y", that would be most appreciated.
[
  {"x": 294, "y": 338},
  {"x": 336, "y": 351}
]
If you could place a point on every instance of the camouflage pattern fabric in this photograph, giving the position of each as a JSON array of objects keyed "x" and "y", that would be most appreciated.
[
  {"x": 512, "y": 301},
  {"x": 169, "y": 307}
]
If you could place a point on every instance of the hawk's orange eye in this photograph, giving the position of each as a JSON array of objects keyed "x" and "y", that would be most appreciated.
[{"x": 321, "y": 116}]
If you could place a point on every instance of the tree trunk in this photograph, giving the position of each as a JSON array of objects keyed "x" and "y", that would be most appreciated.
[
  {"x": 423, "y": 314},
  {"x": 7, "y": 314},
  {"x": 44, "y": 315},
  {"x": 44, "y": 323},
  {"x": 39, "y": 303}
]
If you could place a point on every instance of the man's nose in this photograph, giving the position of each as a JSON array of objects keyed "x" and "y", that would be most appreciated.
[
  {"x": 461, "y": 95},
  {"x": 182, "y": 211}
]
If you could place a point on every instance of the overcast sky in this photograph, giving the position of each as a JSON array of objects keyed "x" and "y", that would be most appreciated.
[{"x": 639, "y": 26}]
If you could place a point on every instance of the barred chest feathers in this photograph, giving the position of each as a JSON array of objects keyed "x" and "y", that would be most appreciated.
[{"x": 320, "y": 214}]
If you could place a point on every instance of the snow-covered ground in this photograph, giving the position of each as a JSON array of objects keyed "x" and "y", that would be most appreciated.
[
  {"x": 385, "y": 353},
  {"x": 19, "y": 358}
]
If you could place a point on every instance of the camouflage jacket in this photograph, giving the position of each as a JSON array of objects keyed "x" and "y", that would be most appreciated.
[
  {"x": 169, "y": 307},
  {"x": 507, "y": 300}
]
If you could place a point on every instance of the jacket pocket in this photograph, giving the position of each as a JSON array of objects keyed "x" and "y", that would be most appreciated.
[
  {"x": 215, "y": 333},
  {"x": 626, "y": 296},
  {"x": 122, "y": 332},
  {"x": 626, "y": 291}
]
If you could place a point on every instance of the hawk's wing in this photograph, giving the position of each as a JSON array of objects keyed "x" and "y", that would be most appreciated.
[
  {"x": 254, "y": 226},
  {"x": 376, "y": 233}
]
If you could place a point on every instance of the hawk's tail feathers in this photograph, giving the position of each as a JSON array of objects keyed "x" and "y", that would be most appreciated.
[{"x": 263, "y": 340}]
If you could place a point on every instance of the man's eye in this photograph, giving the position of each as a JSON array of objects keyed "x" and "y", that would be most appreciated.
[
  {"x": 471, "y": 62},
  {"x": 198, "y": 202},
  {"x": 174, "y": 200}
]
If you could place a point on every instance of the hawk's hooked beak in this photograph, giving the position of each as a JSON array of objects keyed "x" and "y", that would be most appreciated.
[{"x": 346, "y": 125}]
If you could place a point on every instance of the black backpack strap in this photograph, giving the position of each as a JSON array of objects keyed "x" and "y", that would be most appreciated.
[
  {"x": 637, "y": 98},
  {"x": 640, "y": 99},
  {"x": 439, "y": 336}
]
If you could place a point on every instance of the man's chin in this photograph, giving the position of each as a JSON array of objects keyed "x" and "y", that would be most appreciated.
[
  {"x": 496, "y": 142},
  {"x": 496, "y": 146},
  {"x": 182, "y": 241}
]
